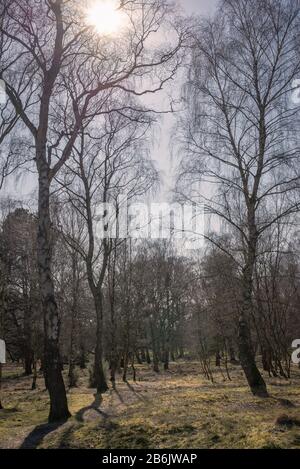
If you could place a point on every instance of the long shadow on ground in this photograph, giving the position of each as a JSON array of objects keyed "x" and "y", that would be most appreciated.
[
  {"x": 38, "y": 434},
  {"x": 137, "y": 394},
  {"x": 94, "y": 406}
]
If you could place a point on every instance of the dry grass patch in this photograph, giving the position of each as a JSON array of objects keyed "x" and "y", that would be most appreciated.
[{"x": 176, "y": 409}]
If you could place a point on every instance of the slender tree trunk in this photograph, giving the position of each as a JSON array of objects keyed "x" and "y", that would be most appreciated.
[
  {"x": 138, "y": 357},
  {"x": 34, "y": 378},
  {"x": 82, "y": 358},
  {"x": 75, "y": 286},
  {"x": 28, "y": 361},
  {"x": 218, "y": 359},
  {"x": 166, "y": 359},
  {"x": 99, "y": 375},
  {"x": 143, "y": 355},
  {"x": 113, "y": 371},
  {"x": 232, "y": 358},
  {"x": 125, "y": 368},
  {"x": 133, "y": 369},
  {"x": 28, "y": 352},
  {"x": 155, "y": 362},
  {"x": 114, "y": 359},
  {"x": 226, "y": 366},
  {"x": 246, "y": 353},
  {"x": 52, "y": 363},
  {"x": 148, "y": 358},
  {"x": 71, "y": 374}
]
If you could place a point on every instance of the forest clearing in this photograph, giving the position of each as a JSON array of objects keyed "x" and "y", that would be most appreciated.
[
  {"x": 149, "y": 226},
  {"x": 175, "y": 409}
]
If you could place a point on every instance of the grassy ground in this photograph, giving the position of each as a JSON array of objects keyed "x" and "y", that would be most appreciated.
[{"x": 176, "y": 409}]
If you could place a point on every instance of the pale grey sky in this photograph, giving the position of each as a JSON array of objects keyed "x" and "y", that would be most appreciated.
[
  {"x": 162, "y": 151},
  {"x": 199, "y": 6}
]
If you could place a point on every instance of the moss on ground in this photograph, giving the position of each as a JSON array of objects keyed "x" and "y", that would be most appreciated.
[{"x": 176, "y": 409}]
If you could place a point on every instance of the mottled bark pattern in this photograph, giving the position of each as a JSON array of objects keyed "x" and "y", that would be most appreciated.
[
  {"x": 246, "y": 353},
  {"x": 99, "y": 375},
  {"x": 52, "y": 363}
]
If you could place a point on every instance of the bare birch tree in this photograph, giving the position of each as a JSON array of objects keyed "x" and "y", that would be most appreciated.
[
  {"x": 70, "y": 68},
  {"x": 241, "y": 137}
]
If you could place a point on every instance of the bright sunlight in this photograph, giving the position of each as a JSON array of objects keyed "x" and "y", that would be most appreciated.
[{"x": 106, "y": 17}]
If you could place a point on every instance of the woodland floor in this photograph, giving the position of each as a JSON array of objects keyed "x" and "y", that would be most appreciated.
[{"x": 177, "y": 409}]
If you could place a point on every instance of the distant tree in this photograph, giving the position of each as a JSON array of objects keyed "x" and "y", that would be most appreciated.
[
  {"x": 22, "y": 320},
  {"x": 109, "y": 160}
]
